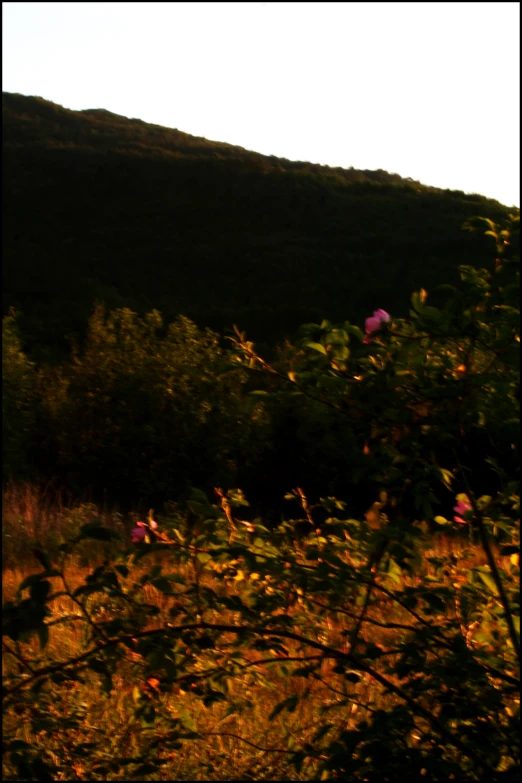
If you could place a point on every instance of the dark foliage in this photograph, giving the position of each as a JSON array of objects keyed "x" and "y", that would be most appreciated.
[{"x": 98, "y": 207}]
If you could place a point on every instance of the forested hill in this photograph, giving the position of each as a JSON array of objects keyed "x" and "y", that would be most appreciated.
[{"x": 101, "y": 207}]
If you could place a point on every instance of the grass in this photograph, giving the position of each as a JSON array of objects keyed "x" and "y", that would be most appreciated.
[{"x": 236, "y": 742}]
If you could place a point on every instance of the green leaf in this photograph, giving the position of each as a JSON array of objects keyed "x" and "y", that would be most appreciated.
[
  {"x": 447, "y": 477},
  {"x": 316, "y": 347},
  {"x": 340, "y": 353},
  {"x": 417, "y": 301},
  {"x": 431, "y": 314},
  {"x": 485, "y": 575},
  {"x": 186, "y": 719},
  {"x": 336, "y": 337},
  {"x": 351, "y": 329}
]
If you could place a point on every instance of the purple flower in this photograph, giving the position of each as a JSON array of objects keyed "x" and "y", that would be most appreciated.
[{"x": 461, "y": 508}]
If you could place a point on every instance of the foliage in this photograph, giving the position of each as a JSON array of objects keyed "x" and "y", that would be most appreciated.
[
  {"x": 146, "y": 407},
  {"x": 102, "y": 207},
  {"x": 321, "y": 598},
  {"x": 18, "y": 381}
]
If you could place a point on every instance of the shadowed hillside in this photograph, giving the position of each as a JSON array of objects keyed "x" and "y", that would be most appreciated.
[{"x": 101, "y": 207}]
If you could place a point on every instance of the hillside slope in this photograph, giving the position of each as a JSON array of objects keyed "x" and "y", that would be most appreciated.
[{"x": 101, "y": 207}]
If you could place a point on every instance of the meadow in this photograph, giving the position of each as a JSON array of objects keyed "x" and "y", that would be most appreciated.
[
  {"x": 90, "y": 734},
  {"x": 366, "y": 632}
]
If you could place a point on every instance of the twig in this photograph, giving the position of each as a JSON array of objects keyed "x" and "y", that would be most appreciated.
[
  {"x": 252, "y": 744},
  {"x": 19, "y": 657}
]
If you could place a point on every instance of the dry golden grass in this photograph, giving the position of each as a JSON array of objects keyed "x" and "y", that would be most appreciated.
[{"x": 241, "y": 745}]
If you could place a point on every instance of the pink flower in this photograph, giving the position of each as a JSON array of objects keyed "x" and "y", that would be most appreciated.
[
  {"x": 150, "y": 524},
  {"x": 383, "y": 316},
  {"x": 372, "y": 324},
  {"x": 461, "y": 508},
  {"x": 375, "y": 321},
  {"x": 138, "y": 533}
]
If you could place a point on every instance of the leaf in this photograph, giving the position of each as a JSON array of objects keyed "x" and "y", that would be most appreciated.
[
  {"x": 39, "y": 591},
  {"x": 336, "y": 337},
  {"x": 316, "y": 347},
  {"x": 431, "y": 313},
  {"x": 144, "y": 769},
  {"x": 33, "y": 578},
  {"x": 486, "y": 577},
  {"x": 341, "y": 353},
  {"x": 43, "y": 558},
  {"x": 163, "y": 585},
  {"x": 287, "y": 704},
  {"x": 43, "y": 636},
  {"x": 417, "y": 300},
  {"x": 186, "y": 719},
  {"x": 96, "y": 531},
  {"x": 354, "y": 330},
  {"x": 148, "y": 714},
  {"x": 442, "y": 520},
  {"x": 505, "y": 551},
  {"x": 203, "y": 557},
  {"x": 447, "y": 477}
]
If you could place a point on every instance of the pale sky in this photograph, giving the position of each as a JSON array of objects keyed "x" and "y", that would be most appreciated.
[{"x": 425, "y": 90}]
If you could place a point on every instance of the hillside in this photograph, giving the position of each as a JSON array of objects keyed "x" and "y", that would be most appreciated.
[{"x": 101, "y": 207}]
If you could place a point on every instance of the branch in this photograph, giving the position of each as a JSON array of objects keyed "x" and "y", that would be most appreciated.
[
  {"x": 236, "y": 736},
  {"x": 19, "y": 657},
  {"x": 416, "y": 707},
  {"x": 492, "y": 564}
]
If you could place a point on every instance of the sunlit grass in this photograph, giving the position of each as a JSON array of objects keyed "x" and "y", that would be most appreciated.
[{"x": 236, "y": 739}]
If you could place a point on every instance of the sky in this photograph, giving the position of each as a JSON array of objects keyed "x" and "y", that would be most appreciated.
[{"x": 426, "y": 90}]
